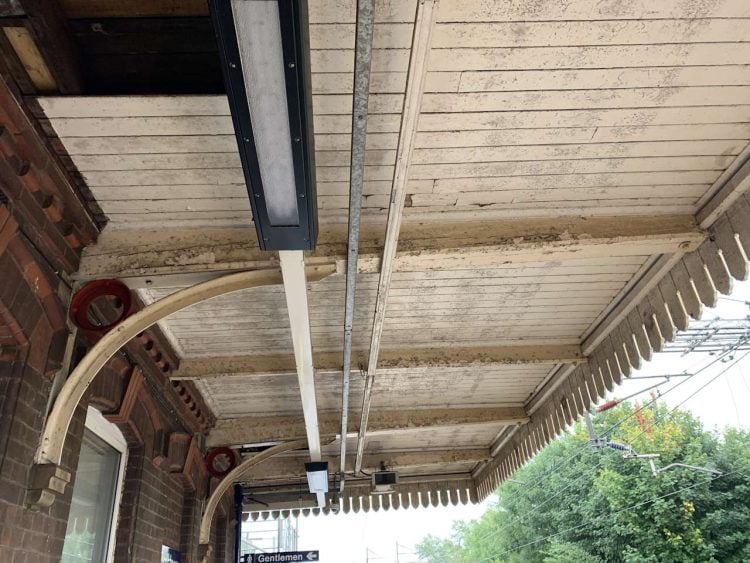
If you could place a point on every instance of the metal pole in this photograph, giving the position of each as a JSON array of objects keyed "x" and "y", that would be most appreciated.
[
  {"x": 415, "y": 81},
  {"x": 589, "y": 426},
  {"x": 362, "y": 64},
  {"x": 238, "y": 498}
]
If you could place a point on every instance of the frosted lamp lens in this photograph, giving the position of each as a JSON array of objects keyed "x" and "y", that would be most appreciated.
[{"x": 261, "y": 54}]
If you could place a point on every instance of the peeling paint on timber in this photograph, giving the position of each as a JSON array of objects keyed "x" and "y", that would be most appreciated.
[
  {"x": 217, "y": 366},
  {"x": 124, "y": 254}
]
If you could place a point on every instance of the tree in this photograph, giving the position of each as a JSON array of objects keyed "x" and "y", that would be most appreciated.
[{"x": 571, "y": 503}]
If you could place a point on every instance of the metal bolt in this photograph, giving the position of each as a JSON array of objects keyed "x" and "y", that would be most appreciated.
[
  {"x": 232, "y": 65},
  {"x": 291, "y": 65},
  {"x": 257, "y": 195},
  {"x": 302, "y": 195},
  {"x": 246, "y": 139},
  {"x": 297, "y": 139}
]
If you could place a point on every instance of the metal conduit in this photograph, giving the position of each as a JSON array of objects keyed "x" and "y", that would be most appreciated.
[
  {"x": 362, "y": 63},
  {"x": 415, "y": 81}
]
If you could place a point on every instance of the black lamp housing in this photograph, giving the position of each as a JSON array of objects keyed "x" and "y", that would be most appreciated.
[{"x": 293, "y": 22}]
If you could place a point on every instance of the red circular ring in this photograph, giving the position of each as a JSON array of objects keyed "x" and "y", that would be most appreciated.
[
  {"x": 216, "y": 452},
  {"x": 79, "y": 306}
]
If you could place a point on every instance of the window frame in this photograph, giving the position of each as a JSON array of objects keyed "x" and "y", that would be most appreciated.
[{"x": 111, "y": 434}]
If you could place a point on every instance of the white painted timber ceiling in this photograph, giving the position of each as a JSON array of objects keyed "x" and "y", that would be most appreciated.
[{"x": 539, "y": 110}]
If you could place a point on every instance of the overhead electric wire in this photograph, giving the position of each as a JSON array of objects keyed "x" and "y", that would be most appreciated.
[
  {"x": 609, "y": 430},
  {"x": 575, "y": 453},
  {"x": 626, "y": 509},
  {"x": 586, "y": 446}
]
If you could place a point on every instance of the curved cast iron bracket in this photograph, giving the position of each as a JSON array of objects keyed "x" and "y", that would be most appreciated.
[
  {"x": 47, "y": 478},
  {"x": 234, "y": 476}
]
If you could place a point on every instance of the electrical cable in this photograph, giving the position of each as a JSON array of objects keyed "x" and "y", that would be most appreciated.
[
  {"x": 744, "y": 302},
  {"x": 575, "y": 453},
  {"x": 609, "y": 430},
  {"x": 577, "y": 479}
]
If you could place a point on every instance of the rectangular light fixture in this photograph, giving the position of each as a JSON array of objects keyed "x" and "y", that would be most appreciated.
[
  {"x": 317, "y": 476},
  {"x": 264, "y": 51}
]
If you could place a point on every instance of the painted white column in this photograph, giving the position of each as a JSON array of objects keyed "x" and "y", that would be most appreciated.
[{"x": 295, "y": 288}]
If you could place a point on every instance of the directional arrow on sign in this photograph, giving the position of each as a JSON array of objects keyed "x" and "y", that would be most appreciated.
[{"x": 284, "y": 557}]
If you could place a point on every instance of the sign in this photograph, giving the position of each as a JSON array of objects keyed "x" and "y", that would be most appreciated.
[
  {"x": 170, "y": 555},
  {"x": 284, "y": 557}
]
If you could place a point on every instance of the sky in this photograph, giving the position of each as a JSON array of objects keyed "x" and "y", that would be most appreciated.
[{"x": 373, "y": 537}]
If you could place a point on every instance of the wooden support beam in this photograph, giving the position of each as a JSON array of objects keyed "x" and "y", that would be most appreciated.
[
  {"x": 48, "y": 27},
  {"x": 732, "y": 183},
  {"x": 289, "y": 467},
  {"x": 271, "y": 429},
  {"x": 176, "y": 257},
  {"x": 408, "y": 360}
]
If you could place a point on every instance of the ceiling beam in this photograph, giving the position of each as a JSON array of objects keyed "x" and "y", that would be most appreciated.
[
  {"x": 49, "y": 28},
  {"x": 294, "y": 466},
  {"x": 271, "y": 429},
  {"x": 176, "y": 257},
  {"x": 732, "y": 183},
  {"x": 390, "y": 359}
]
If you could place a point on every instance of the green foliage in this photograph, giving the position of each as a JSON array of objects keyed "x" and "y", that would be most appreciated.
[
  {"x": 565, "y": 552},
  {"x": 573, "y": 504}
]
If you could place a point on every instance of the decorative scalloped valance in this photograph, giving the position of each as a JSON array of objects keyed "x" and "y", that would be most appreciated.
[
  {"x": 696, "y": 280},
  {"x": 410, "y": 495}
]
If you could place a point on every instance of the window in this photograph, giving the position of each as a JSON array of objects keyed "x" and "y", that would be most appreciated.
[{"x": 96, "y": 492}]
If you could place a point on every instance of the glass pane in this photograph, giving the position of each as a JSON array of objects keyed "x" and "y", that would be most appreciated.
[{"x": 92, "y": 507}]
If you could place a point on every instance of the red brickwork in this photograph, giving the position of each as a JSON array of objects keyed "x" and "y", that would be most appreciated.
[{"x": 43, "y": 229}]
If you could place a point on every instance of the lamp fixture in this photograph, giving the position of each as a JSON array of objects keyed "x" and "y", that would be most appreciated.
[
  {"x": 317, "y": 476},
  {"x": 264, "y": 52}
]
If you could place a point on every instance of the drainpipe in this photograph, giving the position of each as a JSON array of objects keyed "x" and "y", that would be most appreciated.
[{"x": 362, "y": 63}]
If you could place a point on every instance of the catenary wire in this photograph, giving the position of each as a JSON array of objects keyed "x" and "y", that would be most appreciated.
[
  {"x": 609, "y": 430},
  {"x": 575, "y": 453}
]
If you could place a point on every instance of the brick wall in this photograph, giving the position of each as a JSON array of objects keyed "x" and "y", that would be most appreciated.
[
  {"x": 30, "y": 356},
  {"x": 163, "y": 490},
  {"x": 43, "y": 229}
]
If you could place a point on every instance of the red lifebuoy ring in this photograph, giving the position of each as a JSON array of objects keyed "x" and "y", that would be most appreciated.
[
  {"x": 216, "y": 452},
  {"x": 79, "y": 305}
]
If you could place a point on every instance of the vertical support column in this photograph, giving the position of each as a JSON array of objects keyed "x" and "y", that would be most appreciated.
[{"x": 295, "y": 288}]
